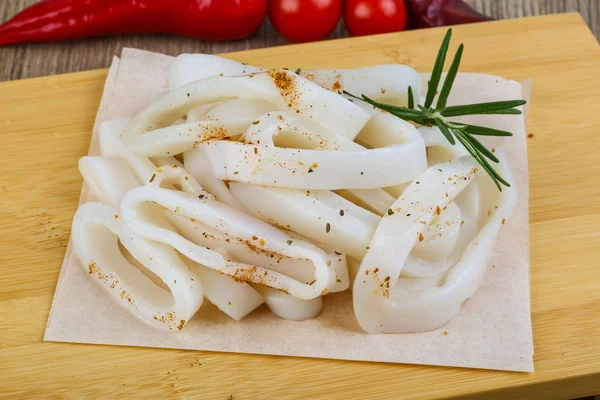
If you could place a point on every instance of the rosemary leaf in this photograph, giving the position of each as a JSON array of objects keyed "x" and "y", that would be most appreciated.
[
  {"x": 445, "y": 131},
  {"x": 484, "y": 131},
  {"x": 449, "y": 81},
  {"x": 496, "y": 107},
  {"x": 411, "y": 99},
  {"x": 512, "y": 111},
  {"x": 455, "y": 125},
  {"x": 401, "y": 112},
  {"x": 486, "y": 165},
  {"x": 436, "y": 74},
  {"x": 461, "y": 138},
  {"x": 421, "y": 121}
]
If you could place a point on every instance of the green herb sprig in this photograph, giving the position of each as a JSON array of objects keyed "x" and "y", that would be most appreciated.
[{"x": 438, "y": 115}]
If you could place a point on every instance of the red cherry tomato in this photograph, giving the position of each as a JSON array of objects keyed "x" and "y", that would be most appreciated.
[
  {"x": 370, "y": 17},
  {"x": 305, "y": 20}
]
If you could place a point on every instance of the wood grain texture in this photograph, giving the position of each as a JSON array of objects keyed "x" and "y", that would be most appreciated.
[
  {"x": 46, "y": 126},
  {"x": 31, "y": 60}
]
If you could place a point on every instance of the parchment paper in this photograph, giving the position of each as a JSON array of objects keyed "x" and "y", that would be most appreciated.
[{"x": 492, "y": 331}]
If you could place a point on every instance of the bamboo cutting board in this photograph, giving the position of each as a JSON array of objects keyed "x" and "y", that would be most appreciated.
[{"x": 45, "y": 126}]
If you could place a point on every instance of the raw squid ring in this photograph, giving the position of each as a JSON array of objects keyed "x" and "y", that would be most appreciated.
[
  {"x": 95, "y": 233},
  {"x": 313, "y": 169},
  {"x": 149, "y": 132},
  {"x": 233, "y": 223},
  {"x": 380, "y": 303}
]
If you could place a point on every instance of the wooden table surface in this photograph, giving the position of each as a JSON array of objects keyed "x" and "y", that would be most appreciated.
[
  {"x": 46, "y": 125},
  {"x": 31, "y": 60}
]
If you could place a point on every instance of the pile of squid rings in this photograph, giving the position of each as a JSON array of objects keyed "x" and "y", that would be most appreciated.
[{"x": 245, "y": 186}]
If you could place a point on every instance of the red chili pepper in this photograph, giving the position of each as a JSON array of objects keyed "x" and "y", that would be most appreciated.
[
  {"x": 51, "y": 20},
  {"x": 426, "y": 13}
]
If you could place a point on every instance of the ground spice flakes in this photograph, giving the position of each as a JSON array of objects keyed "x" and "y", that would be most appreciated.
[
  {"x": 92, "y": 267},
  {"x": 287, "y": 86},
  {"x": 169, "y": 319},
  {"x": 243, "y": 275},
  {"x": 385, "y": 287}
]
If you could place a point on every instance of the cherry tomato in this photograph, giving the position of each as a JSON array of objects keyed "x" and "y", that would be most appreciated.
[
  {"x": 305, "y": 20},
  {"x": 370, "y": 17}
]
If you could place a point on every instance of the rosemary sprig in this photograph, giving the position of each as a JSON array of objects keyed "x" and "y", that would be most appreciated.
[{"x": 438, "y": 115}]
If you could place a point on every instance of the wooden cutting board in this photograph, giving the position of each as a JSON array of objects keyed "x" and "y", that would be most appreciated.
[{"x": 45, "y": 126}]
